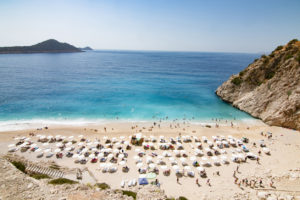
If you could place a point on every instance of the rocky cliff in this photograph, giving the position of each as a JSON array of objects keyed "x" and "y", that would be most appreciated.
[{"x": 269, "y": 88}]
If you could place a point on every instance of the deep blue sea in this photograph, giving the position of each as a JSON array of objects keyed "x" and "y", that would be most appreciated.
[{"x": 130, "y": 85}]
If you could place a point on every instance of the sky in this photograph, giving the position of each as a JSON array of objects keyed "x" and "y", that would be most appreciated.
[{"x": 166, "y": 25}]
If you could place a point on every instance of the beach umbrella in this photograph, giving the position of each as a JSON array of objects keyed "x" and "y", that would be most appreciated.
[
  {"x": 80, "y": 136},
  {"x": 110, "y": 155},
  {"x": 63, "y": 137},
  {"x": 204, "y": 158},
  {"x": 182, "y": 151},
  {"x": 69, "y": 144},
  {"x": 137, "y": 150},
  {"x": 89, "y": 144},
  {"x": 94, "y": 149},
  {"x": 105, "y": 137},
  {"x": 163, "y": 167},
  {"x": 42, "y": 137},
  {"x": 68, "y": 148},
  {"x": 33, "y": 145},
  {"x": 200, "y": 169},
  {"x": 122, "y": 137},
  {"x": 175, "y": 167},
  {"x": 96, "y": 142},
  {"x": 47, "y": 150},
  {"x": 136, "y": 157},
  {"x": 49, "y": 137},
  {"x": 38, "y": 150},
  {"x": 80, "y": 157},
  {"x": 75, "y": 156},
  {"x": 57, "y": 150},
  {"x": 139, "y": 165},
  {"x": 45, "y": 144},
  {"x": 121, "y": 156},
  {"x": 160, "y": 157},
  {"x": 182, "y": 159},
  {"x": 84, "y": 150},
  {"x": 152, "y": 165},
  {"x": 116, "y": 151},
  {"x": 57, "y": 136},
  {"x": 193, "y": 158},
  {"x": 92, "y": 156},
  {"x": 122, "y": 162},
  {"x": 59, "y": 144},
  {"x": 214, "y": 158},
  {"x": 71, "y": 137},
  {"x": 102, "y": 165},
  {"x": 80, "y": 144},
  {"x": 11, "y": 145},
  {"x": 187, "y": 168},
  {"x": 126, "y": 142},
  {"x": 171, "y": 158},
  {"x": 17, "y": 138}
]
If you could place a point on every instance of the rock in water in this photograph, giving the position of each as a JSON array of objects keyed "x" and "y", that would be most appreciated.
[{"x": 269, "y": 88}]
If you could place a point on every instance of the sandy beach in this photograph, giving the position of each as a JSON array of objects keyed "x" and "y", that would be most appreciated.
[{"x": 281, "y": 167}]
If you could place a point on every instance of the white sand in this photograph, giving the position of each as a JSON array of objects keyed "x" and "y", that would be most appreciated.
[{"x": 284, "y": 146}]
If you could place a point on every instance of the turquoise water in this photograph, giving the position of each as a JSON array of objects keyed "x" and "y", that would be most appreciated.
[{"x": 130, "y": 85}]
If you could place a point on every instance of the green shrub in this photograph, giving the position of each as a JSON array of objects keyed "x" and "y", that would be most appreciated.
[
  {"x": 278, "y": 48},
  {"x": 292, "y": 41},
  {"x": 19, "y": 165},
  {"x": 39, "y": 176},
  {"x": 298, "y": 58},
  {"x": 129, "y": 193},
  {"x": 102, "y": 186},
  {"x": 263, "y": 56},
  {"x": 288, "y": 56},
  {"x": 241, "y": 73},
  {"x": 289, "y": 93},
  {"x": 170, "y": 198},
  {"x": 236, "y": 81},
  {"x": 269, "y": 74},
  {"x": 256, "y": 60},
  {"x": 182, "y": 198},
  {"x": 60, "y": 181}
]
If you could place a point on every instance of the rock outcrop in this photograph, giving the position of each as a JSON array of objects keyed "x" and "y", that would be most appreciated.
[{"x": 269, "y": 88}]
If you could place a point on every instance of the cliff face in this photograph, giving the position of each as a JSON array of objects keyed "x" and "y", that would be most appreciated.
[{"x": 269, "y": 88}]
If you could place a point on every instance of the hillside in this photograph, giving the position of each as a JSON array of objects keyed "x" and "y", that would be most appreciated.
[
  {"x": 269, "y": 88},
  {"x": 48, "y": 46}
]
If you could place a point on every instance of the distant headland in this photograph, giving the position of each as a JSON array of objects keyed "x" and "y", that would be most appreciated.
[{"x": 48, "y": 46}]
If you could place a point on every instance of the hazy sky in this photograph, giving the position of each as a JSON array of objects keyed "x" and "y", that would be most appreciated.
[{"x": 176, "y": 25}]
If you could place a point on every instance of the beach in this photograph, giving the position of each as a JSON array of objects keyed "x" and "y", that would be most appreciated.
[{"x": 280, "y": 168}]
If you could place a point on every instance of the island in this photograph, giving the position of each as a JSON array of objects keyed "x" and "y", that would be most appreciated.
[
  {"x": 269, "y": 88},
  {"x": 48, "y": 46},
  {"x": 86, "y": 49}
]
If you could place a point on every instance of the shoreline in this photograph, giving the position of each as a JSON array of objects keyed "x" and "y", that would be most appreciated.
[{"x": 31, "y": 124}]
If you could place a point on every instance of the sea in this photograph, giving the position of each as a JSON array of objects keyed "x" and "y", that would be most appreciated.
[{"x": 101, "y": 85}]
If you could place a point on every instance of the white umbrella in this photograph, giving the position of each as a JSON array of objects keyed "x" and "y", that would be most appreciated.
[
  {"x": 139, "y": 165},
  {"x": 11, "y": 145},
  {"x": 92, "y": 156},
  {"x": 105, "y": 137},
  {"x": 163, "y": 167},
  {"x": 57, "y": 150},
  {"x": 68, "y": 149},
  {"x": 59, "y": 144},
  {"x": 38, "y": 150},
  {"x": 80, "y": 144},
  {"x": 200, "y": 168},
  {"x": 121, "y": 156},
  {"x": 204, "y": 158},
  {"x": 49, "y": 137},
  {"x": 45, "y": 144},
  {"x": 175, "y": 167},
  {"x": 17, "y": 138},
  {"x": 152, "y": 165},
  {"x": 63, "y": 137},
  {"x": 137, "y": 150},
  {"x": 193, "y": 158},
  {"x": 110, "y": 156},
  {"x": 57, "y": 136},
  {"x": 71, "y": 137},
  {"x": 84, "y": 150},
  {"x": 182, "y": 159},
  {"x": 187, "y": 168},
  {"x": 122, "y": 162},
  {"x": 214, "y": 158},
  {"x": 80, "y": 136},
  {"x": 69, "y": 144},
  {"x": 47, "y": 150},
  {"x": 136, "y": 157},
  {"x": 171, "y": 158},
  {"x": 75, "y": 156}
]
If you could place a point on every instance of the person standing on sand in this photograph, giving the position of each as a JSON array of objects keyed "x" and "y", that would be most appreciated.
[
  {"x": 237, "y": 169},
  {"x": 257, "y": 160},
  {"x": 208, "y": 182},
  {"x": 177, "y": 180}
]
